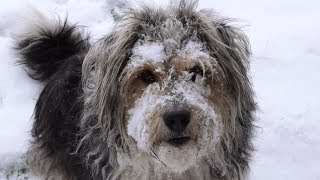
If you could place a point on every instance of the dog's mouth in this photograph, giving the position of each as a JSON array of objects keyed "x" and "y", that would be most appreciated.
[{"x": 178, "y": 141}]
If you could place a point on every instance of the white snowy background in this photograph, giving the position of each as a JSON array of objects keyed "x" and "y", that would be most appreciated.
[{"x": 285, "y": 70}]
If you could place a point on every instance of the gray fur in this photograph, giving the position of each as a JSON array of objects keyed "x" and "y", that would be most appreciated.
[{"x": 102, "y": 123}]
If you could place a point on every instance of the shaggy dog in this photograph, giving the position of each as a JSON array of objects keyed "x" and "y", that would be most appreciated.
[{"x": 166, "y": 95}]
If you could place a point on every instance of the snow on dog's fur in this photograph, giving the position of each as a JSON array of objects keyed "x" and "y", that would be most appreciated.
[{"x": 165, "y": 96}]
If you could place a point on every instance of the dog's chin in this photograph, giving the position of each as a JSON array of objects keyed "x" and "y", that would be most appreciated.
[{"x": 179, "y": 154}]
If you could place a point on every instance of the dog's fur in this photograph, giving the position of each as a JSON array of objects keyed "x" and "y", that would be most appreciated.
[{"x": 98, "y": 117}]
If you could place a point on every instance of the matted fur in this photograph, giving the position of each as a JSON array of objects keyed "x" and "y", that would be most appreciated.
[{"x": 80, "y": 129}]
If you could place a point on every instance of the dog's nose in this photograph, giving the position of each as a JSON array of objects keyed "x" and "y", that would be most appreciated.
[{"x": 177, "y": 120}]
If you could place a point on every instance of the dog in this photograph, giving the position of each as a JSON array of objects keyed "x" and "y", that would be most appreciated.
[{"x": 166, "y": 95}]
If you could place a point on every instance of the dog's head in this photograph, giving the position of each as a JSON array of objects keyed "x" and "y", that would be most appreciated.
[{"x": 169, "y": 86}]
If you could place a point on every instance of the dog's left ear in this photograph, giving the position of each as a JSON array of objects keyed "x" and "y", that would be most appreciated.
[
  {"x": 231, "y": 48},
  {"x": 237, "y": 51},
  {"x": 227, "y": 43},
  {"x": 236, "y": 42}
]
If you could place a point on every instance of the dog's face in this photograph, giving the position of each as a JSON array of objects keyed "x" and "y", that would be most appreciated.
[
  {"x": 174, "y": 105},
  {"x": 169, "y": 87}
]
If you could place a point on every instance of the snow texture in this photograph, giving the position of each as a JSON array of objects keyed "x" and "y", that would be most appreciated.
[
  {"x": 184, "y": 91},
  {"x": 156, "y": 97},
  {"x": 144, "y": 52},
  {"x": 285, "y": 72}
]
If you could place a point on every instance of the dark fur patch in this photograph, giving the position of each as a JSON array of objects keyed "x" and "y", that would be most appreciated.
[
  {"x": 46, "y": 49},
  {"x": 56, "y": 56},
  {"x": 57, "y": 115}
]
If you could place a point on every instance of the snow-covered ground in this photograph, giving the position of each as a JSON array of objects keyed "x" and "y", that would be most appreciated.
[{"x": 285, "y": 71}]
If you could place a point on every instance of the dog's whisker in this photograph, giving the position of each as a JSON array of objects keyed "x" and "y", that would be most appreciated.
[
  {"x": 157, "y": 157},
  {"x": 152, "y": 154}
]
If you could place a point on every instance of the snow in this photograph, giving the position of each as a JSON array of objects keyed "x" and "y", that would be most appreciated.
[
  {"x": 154, "y": 52},
  {"x": 146, "y": 52},
  {"x": 285, "y": 72},
  {"x": 195, "y": 50},
  {"x": 137, "y": 126},
  {"x": 15, "y": 167}
]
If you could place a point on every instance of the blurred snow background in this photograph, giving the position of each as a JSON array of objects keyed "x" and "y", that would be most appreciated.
[{"x": 285, "y": 70}]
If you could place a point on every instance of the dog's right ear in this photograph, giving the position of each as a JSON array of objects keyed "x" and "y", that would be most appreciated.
[{"x": 45, "y": 44}]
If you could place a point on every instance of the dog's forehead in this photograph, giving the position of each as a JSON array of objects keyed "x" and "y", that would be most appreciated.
[
  {"x": 167, "y": 41},
  {"x": 158, "y": 53}
]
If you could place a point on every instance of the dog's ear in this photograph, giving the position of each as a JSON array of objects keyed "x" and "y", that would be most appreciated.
[
  {"x": 236, "y": 41},
  {"x": 231, "y": 48},
  {"x": 236, "y": 57},
  {"x": 227, "y": 43}
]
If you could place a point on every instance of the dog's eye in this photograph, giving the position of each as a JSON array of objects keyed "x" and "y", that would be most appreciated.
[
  {"x": 196, "y": 71},
  {"x": 147, "y": 77}
]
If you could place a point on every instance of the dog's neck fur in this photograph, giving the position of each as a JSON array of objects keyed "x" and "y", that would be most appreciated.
[{"x": 141, "y": 167}]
